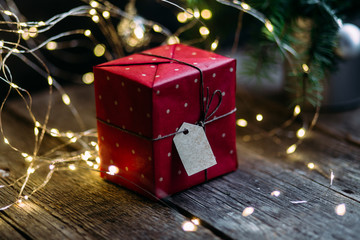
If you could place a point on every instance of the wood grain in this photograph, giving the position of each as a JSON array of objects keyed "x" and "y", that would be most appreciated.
[{"x": 80, "y": 205}]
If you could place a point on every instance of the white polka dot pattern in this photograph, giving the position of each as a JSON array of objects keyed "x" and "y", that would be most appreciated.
[{"x": 162, "y": 94}]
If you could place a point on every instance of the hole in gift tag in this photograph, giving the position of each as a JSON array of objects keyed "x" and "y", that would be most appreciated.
[{"x": 186, "y": 131}]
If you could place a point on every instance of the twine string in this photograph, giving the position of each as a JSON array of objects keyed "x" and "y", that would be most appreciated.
[{"x": 204, "y": 109}]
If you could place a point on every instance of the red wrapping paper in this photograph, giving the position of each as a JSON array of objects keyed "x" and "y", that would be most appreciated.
[{"x": 140, "y": 98}]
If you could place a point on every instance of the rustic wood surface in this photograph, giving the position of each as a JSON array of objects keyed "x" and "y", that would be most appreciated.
[{"x": 80, "y": 205}]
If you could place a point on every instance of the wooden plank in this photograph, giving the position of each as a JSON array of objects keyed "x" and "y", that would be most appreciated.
[
  {"x": 10, "y": 231},
  {"x": 326, "y": 150},
  {"x": 221, "y": 202},
  {"x": 79, "y": 204},
  {"x": 263, "y": 168}
]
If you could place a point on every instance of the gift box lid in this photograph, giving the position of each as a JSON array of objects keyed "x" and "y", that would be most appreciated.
[
  {"x": 137, "y": 80},
  {"x": 183, "y": 53}
]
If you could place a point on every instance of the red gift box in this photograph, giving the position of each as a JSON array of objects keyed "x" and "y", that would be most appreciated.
[{"x": 141, "y": 102}]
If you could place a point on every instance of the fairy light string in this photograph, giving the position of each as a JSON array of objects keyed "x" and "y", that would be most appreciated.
[
  {"x": 100, "y": 12},
  {"x": 287, "y": 51},
  {"x": 84, "y": 142}
]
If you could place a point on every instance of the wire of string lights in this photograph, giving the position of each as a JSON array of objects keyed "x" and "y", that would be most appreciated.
[{"x": 133, "y": 31}]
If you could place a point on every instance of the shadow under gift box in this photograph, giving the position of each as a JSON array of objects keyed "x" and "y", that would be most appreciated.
[{"x": 142, "y": 98}]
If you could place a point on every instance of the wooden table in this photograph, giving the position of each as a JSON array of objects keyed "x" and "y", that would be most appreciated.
[{"x": 80, "y": 205}]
